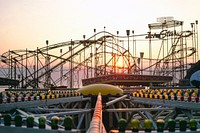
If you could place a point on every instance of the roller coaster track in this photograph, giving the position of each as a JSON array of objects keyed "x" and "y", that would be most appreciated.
[
  {"x": 78, "y": 47},
  {"x": 88, "y": 56}
]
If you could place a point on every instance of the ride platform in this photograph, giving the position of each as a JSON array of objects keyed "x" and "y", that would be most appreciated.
[{"x": 128, "y": 79}]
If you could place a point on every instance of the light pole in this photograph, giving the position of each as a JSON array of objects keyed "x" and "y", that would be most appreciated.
[
  {"x": 196, "y": 22},
  {"x": 95, "y": 54},
  {"x": 61, "y": 68},
  {"x": 84, "y": 45},
  {"x": 128, "y": 33},
  {"x": 117, "y": 48},
  {"x": 104, "y": 51}
]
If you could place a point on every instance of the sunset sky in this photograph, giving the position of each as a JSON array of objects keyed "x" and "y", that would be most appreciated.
[{"x": 29, "y": 23}]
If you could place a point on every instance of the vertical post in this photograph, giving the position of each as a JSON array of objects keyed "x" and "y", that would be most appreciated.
[
  {"x": 117, "y": 48},
  {"x": 173, "y": 57},
  {"x": 11, "y": 67},
  {"x": 47, "y": 42},
  {"x": 186, "y": 59},
  {"x": 133, "y": 41},
  {"x": 123, "y": 56},
  {"x": 182, "y": 55},
  {"x": 87, "y": 75},
  {"x": 114, "y": 65},
  {"x": 70, "y": 68},
  {"x": 141, "y": 57},
  {"x": 26, "y": 66},
  {"x": 78, "y": 71},
  {"x": 197, "y": 40},
  {"x": 34, "y": 69},
  {"x": 128, "y": 33},
  {"x": 37, "y": 68},
  {"x": 84, "y": 60},
  {"x": 61, "y": 68},
  {"x": 114, "y": 58},
  {"x": 47, "y": 66},
  {"x": 104, "y": 51},
  {"x": 91, "y": 55},
  {"x": 95, "y": 56},
  {"x": 15, "y": 68},
  {"x": 71, "y": 76},
  {"x": 34, "y": 76},
  {"x": 150, "y": 50},
  {"x": 22, "y": 65},
  {"x": 193, "y": 44}
]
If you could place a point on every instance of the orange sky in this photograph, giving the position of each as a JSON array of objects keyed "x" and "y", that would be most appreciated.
[{"x": 29, "y": 23}]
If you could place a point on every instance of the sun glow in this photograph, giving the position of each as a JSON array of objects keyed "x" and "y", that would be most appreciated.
[{"x": 120, "y": 63}]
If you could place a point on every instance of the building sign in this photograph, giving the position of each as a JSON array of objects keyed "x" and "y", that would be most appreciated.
[{"x": 166, "y": 33}]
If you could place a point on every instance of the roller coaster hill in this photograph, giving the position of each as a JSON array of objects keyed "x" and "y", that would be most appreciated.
[
  {"x": 103, "y": 84},
  {"x": 108, "y": 58}
]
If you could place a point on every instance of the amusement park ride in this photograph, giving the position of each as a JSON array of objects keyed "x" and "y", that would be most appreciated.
[
  {"x": 171, "y": 52},
  {"x": 153, "y": 84}
]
